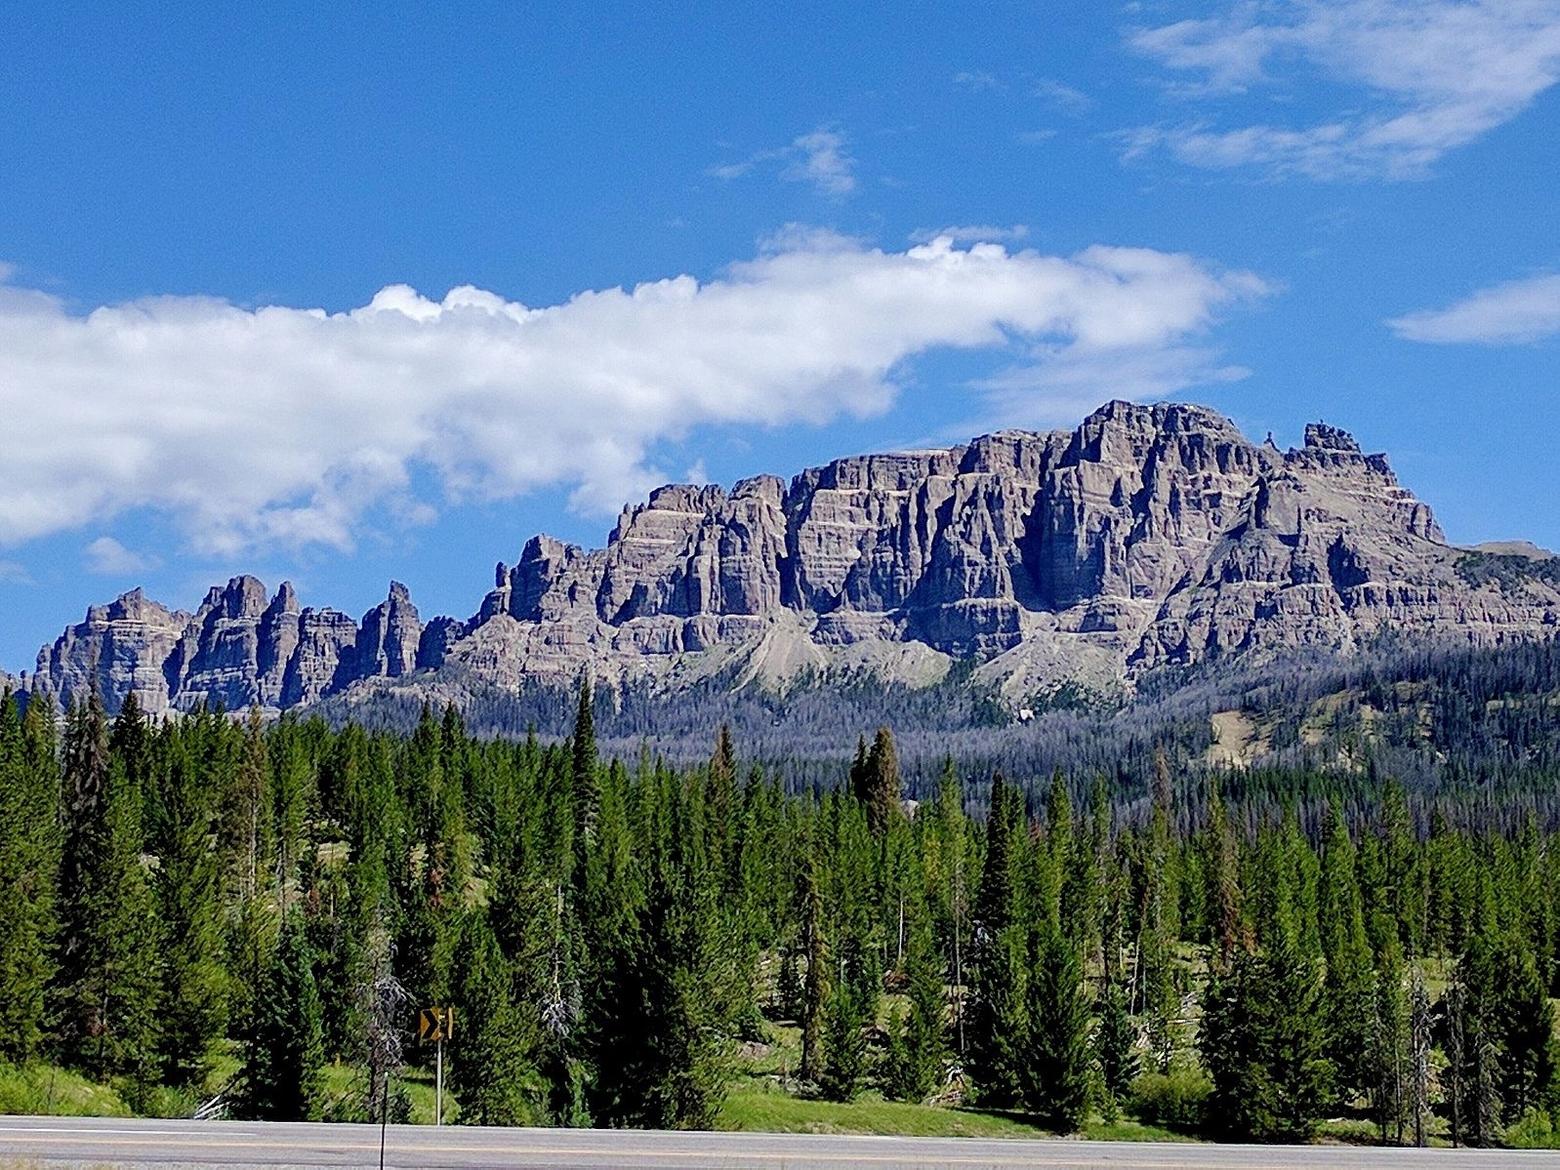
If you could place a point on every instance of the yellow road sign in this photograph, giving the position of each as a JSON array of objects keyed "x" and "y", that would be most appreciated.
[{"x": 435, "y": 1024}]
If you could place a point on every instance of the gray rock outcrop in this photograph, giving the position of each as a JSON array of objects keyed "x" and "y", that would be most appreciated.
[{"x": 1148, "y": 536}]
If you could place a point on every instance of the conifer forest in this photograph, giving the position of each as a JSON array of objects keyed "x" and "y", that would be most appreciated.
[{"x": 246, "y": 917}]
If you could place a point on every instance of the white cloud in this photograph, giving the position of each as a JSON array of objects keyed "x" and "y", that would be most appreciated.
[
  {"x": 1515, "y": 312},
  {"x": 14, "y": 573},
  {"x": 282, "y": 426},
  {"x": 106, "y": 557},
  {"x": 975, "y": 233},
  {"x": 819, "y": 158},
  {"x": 1424, "y": 77},
  {"x": 1061, "y": 94}
]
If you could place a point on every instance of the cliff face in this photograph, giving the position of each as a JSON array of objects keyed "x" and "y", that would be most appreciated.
[{"x": 1148, "y": 536}]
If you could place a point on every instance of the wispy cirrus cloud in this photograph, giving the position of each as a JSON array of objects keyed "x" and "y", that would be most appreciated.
[
  {"x": 974, "y": 233},
  {"x": 1420, "y": 77},
  {"x": 282, "y": 427},
  {"x": 821, "y": 158},
  {"x": 106, "y": 557},
  {"x": 1513, "y": 313}
]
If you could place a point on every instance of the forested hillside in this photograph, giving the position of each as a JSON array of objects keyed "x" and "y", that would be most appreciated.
[
  {"x": 1475, "y": 730},
  {"x": 214, "y": 907}
]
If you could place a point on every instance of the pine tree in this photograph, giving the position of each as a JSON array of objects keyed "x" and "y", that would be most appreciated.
[
  {"x": 1116, "y": 1042},
  {"x": 1263, "y": 1041},
  {"x": 1221, "y": 875},
  {"x": 1056, "y": 1047},
  {"x": 1157, "y": 929},
  {"x": 845, "y": 1043},
  {"x": 1500, "y": 1036},
  {"x": 816, "y": 989},
  {"x": 491, "y": 1072},
  {"x": 29, "y": 871},
  {"x": 194, "y": 982},
  {"x": 583, "y": 780},
  {"x": 1346, "y": 952},
  {"x": 882, "y": 783},
  {"x": 105, "y": 997},
  {"x": 284, "y": 1049},
  {"x": 916, "y": 1068},
  {"x": 996, "y": 1019},
  {"x": 1387, "y": 1043}
]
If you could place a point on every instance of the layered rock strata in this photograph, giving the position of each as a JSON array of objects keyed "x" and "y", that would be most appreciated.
[{"x": 1148, "y": 536}]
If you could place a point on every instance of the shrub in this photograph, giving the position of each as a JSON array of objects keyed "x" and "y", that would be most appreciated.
[
  {"x": 1533, "y": 1131},
  {"x": 1176, "y": 1099}
]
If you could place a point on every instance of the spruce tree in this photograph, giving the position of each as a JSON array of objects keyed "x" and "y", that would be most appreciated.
[
  {"x": 845, "y": 1043},
  {"x": 1056, "y": 1047},
  {"x": 882, "y": 783},
  {"x": 917, "y": 1067},
  {"x": 1115, "y": 1042},
  {"x": 816, "y": 989},
  {"x": 1000, "y": 951},
  {"x": 584, "y": 784},
  {"x": 1263, "y": 1043},
  {"x": 105, "y": 998},
  {"x": 281, "y": 1078},
  {"x": 1157, "y": 930},
  {"x": 186, "y": 881},
  {"x": 29, "y": 872},
  {"x": 1346, "y": 952},
  {"x": 1221, "y": 877},
  {"x": 491, "y": 1073}
]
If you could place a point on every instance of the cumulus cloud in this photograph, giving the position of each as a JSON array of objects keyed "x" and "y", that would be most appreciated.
[
  {"x": 106, "y": 557},
  {"x": 820, "y": 158},
  {"x": 1512, "y": 313},
  {"x": 283, "y": 426},
  {"x": 1420, "y": 78}
]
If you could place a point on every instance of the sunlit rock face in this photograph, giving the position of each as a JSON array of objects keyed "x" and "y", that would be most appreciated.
[{"x": 1148, "y": 536}]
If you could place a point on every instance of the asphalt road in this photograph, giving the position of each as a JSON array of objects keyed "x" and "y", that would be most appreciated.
[{"x": 104, "y": 1142}]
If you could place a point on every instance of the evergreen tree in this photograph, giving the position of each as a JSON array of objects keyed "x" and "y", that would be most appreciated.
[
  {"x": 583, "y": 781},
  {"x": 490, "y": 1070},
  {"x": 193, "y": 1014},
  {"x": 997, "y": 1020},
  {"x": 1056, "y": 1047},
  {"x": 105, "y": 996},
  {"x": 1221, "y": 876},
  {"x": 1263, "y": 1041},
  {"x": 845, "y": 1043},
  {"x": 284, "y": 1049},
  {"x": 1346, "y": 952},
  {"x": 1500, "y": 1042},
  {"x": 1115, "y": 1042},
  {"x": 816, "y": 990},
  {"x": 881, "y": 783},
  {"x": 1157, "y": 930},
  {"x": 29, "y": 871},
  {"x": 917, "y": 1065},
  {"x": 1388, "y": 1047}
]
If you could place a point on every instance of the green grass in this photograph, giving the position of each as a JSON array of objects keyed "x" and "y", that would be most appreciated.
[
  {"x": 754, "y": 1107},
  {"x": 42, "y": 1088}
]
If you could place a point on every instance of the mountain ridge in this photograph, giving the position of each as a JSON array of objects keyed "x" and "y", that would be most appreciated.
[{"x": 1146, "y": 537}]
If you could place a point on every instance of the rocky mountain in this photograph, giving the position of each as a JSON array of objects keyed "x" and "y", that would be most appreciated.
[{"x": 1150, "y": 536}]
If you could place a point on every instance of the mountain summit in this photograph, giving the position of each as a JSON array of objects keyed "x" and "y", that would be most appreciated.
[{"x": 1149, "y": 536}]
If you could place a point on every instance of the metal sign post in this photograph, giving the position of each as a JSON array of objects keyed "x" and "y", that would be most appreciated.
[{"x": 436, "y": 1024}]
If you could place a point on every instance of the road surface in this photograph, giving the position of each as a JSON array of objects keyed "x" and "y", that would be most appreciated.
[{"x": 105, "y": 1142}]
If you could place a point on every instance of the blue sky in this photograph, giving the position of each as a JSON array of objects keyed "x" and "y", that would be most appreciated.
[{"x": 1288, "y": 209}]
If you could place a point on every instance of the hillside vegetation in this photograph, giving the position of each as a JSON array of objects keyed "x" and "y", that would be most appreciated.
[{"x": 1357, "y": 935}]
